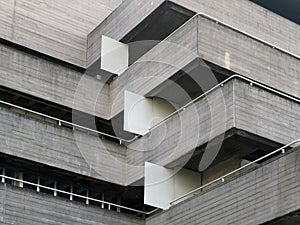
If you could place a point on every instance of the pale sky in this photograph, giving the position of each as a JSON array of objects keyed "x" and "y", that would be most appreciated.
[{"x": 287, "y": 8}]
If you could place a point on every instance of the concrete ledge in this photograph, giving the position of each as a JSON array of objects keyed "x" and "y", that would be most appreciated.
[
  {"x": 49, "y": 80},
  {"x": 60, "y": 147},
  {"x": 245, "y": 107},
  {"x": 244, "y": 15},
  {"x": 235, "y": 105},
  {"x": 264, "y": 194},
  {"x": 23, "y": 206}
]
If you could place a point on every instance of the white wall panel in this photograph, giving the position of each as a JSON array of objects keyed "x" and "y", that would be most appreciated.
[{"x": 162, "y": 185}]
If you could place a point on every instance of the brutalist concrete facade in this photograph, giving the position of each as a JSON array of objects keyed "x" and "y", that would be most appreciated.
[{"x": 230, "y": 69}]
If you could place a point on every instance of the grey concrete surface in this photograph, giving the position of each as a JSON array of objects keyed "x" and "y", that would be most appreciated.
[
  {"x": 22, "y": 206},
  {"x": 264, "y": 194},
  {"x": 156, "y": 66},
  {"x": 246, "y": 107},
  {"x": 56, "y": 28},
  {"x": 244, "y": 15},
  {"x": 52, "y": 81},
  {"x": 216, "y": 44},
  {"x": 219, "y": 45},
  {"x": 236, "y": 105},
  {"x": 56, "y": 146}
]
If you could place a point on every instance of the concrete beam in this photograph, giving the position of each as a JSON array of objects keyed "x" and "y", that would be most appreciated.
[
  {"x": 25, "y": 206},
  {"x": 237, "y": 105},
  {"x": 216, "y": 44},
  {"x": 264, "y": 194},
  {"x": 155, "y": 67},
  {"x": 49, "y": 144},
  {"x": 52, "y": 81},
  {"x": 57, "y": 28},
  {"x": 244, "y": 15}
]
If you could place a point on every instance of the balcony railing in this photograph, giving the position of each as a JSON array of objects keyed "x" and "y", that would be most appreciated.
[{"x": 222, "y": 178}]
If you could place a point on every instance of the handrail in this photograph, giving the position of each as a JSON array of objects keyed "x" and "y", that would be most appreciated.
[
  {"x": 79, "y": 196},
  {"x": 222, "y": 178},
  {"x": 247, "y": 34},
  {"x": 235, "y": 29},
  {"x": 68, "y": 123},
  {"x": 184, "y": 107},
  {"x": 252, "y": 82},
  {"x": 166, "y": 118}
]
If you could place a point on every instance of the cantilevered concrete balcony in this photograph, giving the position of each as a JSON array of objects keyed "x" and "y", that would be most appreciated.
[
  {"x": 268, "y": 193},
  {"x": 227, "y": 48},
  {"x": 243, "y": 15},
  {"x": 201, "y": 37},
  {"x": 250, "y": 119}
]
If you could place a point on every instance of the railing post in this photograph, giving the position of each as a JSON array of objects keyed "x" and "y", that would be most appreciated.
[
  {"x": 3, "y": 173},
  {"x": 55, "y": 188},
  {"x": 119, "y": 203},
  {"x": 71, "y": 193},
  {"x": 38, "y": 184},
  {"x": 102, "y": 198},
  {"x": 87, "y": 201},
  {"x": 19, "y": 176}
]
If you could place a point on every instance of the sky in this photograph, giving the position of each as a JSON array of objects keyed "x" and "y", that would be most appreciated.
[{"x": 287, "y": 8}]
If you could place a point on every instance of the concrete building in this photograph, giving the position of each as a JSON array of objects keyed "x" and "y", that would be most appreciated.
[{"x": 150, "y": 112}]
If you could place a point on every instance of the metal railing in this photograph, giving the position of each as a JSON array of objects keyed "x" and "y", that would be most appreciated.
[
  {"x": 222, "y": 178},
  {"x": 247, "y": 34},
  {"x": 109, "y": 204},
  {"x": 217, "y": 21},
  {"x": 184, "y": 107},
  {"x": 251, "y": 81},
  {"x": 60, "y": 122}
]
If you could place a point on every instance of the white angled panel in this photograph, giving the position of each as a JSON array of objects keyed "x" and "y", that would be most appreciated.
[
  {"x": 114, "y": 55},
  {"x": 137, "y": 112},
  {"x": 140, "y": 113},
  {"x": 163, "y": 185},
  {"x": 158, "y": 186}
]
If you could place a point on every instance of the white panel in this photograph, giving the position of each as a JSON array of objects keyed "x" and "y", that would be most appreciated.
[
  {"x": 137, "y": 111},
  {"x": 164, "y": 185},
  {"x": 114, "y": 55},
  {"x": 158, "y": 186},
  {"x": 140, "y": 113}
]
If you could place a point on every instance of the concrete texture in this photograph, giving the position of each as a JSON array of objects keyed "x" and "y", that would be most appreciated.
[
  {"x": 234, "y": 51},
  {"x": 264, "y": 194},
  {"x": 49, "y": 144},
  {"x": 245, "y": 107},
  {"x": 49, "y": 80},
  {"x": 236, "y": 105},
  {"x": 156, "y": 66},
  {"x": 217, "y": 44},
  {"x": 239, "y": 13},
  {"x": 58, "y": 28},
  {"x": 261, "y": 195},
  {"x": 22, "y": 206}
]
